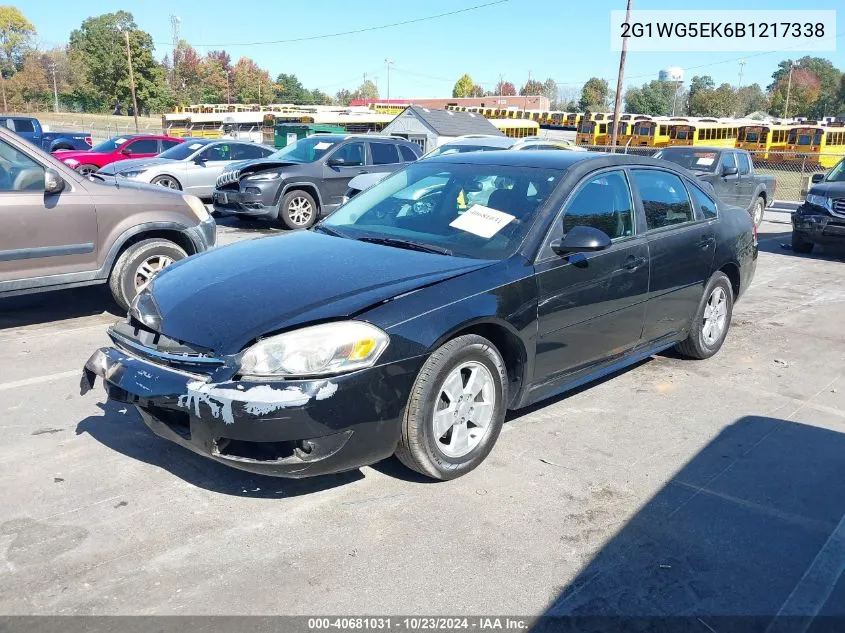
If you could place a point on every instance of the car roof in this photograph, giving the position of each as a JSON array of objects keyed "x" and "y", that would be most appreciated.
[
  {"x": 481, "y": 141},
  {"x": 700, "y": 148},
  {"x": 555, "y": 160}
]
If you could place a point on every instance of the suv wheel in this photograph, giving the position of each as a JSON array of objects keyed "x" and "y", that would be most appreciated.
[
  {"x": 298, "y": 210},
  {"x": 137, "y": 266},
  {"x": 86, "y": 170},
  {"x": 800, "y": 245}
]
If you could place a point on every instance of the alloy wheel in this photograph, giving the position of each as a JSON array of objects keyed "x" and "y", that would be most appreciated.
[
  {"x": 715, "y": 316},
  {"x": 149, "y": 268},
  {"x": 86, "y": 171},
  {"x": 464, "y": 409},
  {"x": 167, "y": 182},
  {"x": 300, "y": 211}
]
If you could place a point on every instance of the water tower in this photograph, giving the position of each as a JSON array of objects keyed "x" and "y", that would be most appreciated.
[{"x": 672, "y": 73}]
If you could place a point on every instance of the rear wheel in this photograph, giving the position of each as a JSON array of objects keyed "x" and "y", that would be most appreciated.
[
  {"x": 712, "y": 320},
  {"x": 758, "y": 211},
  {"x": 800, "y": 245},
  {"x": 86, "y": 170},
  {"x": 456, "y": 409},
  {"x": 138, "y": 265},
  {"x": 298, "y": 210},
  {"x": 169, "y": 182}
]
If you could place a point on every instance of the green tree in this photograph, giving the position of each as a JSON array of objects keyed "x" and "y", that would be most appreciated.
[
  {"x": 698, "y": 84},
  {"x": 532, "y": 88},
  {"x": 215, "y": 75},
  {"x": 343, "y": 97},
  {"x": 320, "y": 98},
  {"x": 477, "y": 91},
  {"x": 828, "y": 76},
  {"x": 803, "y": 93},
  {"x": 251, "y": 84},
  {"x": 16, "y": 35},
  {"x": 751, "y": 99},
  {"x": 290, "y": 90},
  {"x": 100, "y": 42},
  {"x": 463, "y": 87},
  {"x": 594, "y": 95},
  {"x": 187, "y": 75},
  {"x": 366, "y": 90},
  {"x": 550, "y": 90},
  {"x": 654, "y": 98}
]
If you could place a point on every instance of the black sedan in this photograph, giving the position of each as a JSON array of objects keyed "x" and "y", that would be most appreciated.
[{"x": 457, "y": 288}]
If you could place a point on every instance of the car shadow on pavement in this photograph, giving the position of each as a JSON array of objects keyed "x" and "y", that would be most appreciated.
[
  {"x": 753, "y": 526},
  {"x": 120, "y": 428},
  {"x": 58, "y": 305},
  {"x": 779, "y": 242}
]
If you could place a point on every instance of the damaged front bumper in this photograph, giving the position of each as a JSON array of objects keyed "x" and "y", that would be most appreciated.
[{"x": 291, "y": 428}]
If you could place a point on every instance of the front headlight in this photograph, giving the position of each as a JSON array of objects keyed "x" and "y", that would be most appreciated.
[
  {"x": 318, "y": 350},
  {"x": 197, "y": 207},
  {"x": 820, "y": 201},
  {"x": 131, "y": 174},
  {"x": 270, "y": 175},
  {"x": 145, "y": 309}
]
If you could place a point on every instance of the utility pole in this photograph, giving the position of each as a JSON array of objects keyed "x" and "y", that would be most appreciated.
[
  {"x": 131, "y": 80},
  {"x": 617, "y": 104},
  {"x": 3, "y": 88},
  {"x": 788, "y": 90},
  {"x": 742, "y": 63},
  {"x": 388, "y": 62},
  {"x": 55, "y": 90},
  {"x": 175, "y": 21},
  {"x": 525, "y": 101},
  {"x": 740, "y": 110}
]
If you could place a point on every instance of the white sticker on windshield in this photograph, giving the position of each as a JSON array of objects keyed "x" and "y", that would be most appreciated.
[
  {"x": 119, "y": 141},
  {"x": 195, "y": 146},
  {"x": 705, "y": 161},
  {"x": 323, "y": 145},
  {"x": 482, "y": 221}
]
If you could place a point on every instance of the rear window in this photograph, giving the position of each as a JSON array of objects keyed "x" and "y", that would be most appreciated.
[
  {"x": 407, "y": 153},
  {"x": 384, "y": 153},
  {"x": 23, "y": 125}
]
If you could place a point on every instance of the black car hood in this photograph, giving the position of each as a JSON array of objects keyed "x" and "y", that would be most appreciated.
[
  {"x": 829, "y": 189},
  {"x": 228, "y": 297}
]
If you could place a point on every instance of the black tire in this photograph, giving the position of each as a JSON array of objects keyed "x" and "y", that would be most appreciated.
[
  {"x": 758, "y": 211},
  {"x": 86, "y": 169},
  {"x": 292, "y": 206},
  {"x": 168, "y": 182},
  {"x": 418, "y": 447},
  {"x": 696, "y": 345},
  {"x": 800, "y": 245},
  {"x": 126, "y": 273}
]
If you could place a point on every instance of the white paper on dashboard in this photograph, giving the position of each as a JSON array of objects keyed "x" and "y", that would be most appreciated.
[
  {"x": 705, "y": 161},
  {"x": 482, "y": 221},
  {"x": 323, "y": 145}
]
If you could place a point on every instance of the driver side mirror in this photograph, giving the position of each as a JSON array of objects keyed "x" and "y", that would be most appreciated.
[
  {"x": 126, "y": 151},
  {"x": 729, "y": 171},
  {"x": 581, "y": 239},
  {"x": 816, "y": 178},
  {"x": 336, "y": 162},
  {"x": 200, "y": 160},
  {"x": 53, "y": 182}
]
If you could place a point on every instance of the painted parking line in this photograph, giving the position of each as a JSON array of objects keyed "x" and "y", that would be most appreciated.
[{"x": 37, "y": 380}]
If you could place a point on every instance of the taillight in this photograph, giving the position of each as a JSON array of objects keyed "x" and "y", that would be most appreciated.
[{"x": 88, "y": 140}]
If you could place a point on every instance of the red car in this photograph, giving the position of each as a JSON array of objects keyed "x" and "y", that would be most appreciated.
[{"x": 115, "y": 149}]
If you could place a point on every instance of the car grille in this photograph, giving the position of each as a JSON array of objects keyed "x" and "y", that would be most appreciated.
[
  {"x": 838, "y": 207},
  {"x": 135, "y": 338},
  {"x": 228, "y": 177}
]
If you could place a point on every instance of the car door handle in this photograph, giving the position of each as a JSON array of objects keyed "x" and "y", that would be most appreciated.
[
  {"x": 706, "y": 241},
  {"x": 632, "y": 263}
]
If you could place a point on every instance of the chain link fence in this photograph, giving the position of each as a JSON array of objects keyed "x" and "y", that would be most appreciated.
[
  {"x": 100, "y": 126},
  {"x": 792, "y": 171}
]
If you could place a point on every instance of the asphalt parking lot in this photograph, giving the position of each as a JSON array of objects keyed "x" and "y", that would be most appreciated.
[{"x": 675, "y": 487}]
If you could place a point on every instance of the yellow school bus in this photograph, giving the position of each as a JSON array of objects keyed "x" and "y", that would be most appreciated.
[
  {"x": 816, "y": 144},
  {"x": 764, "y": 138},
  {"x": 698, "y": 133},
  {"x": 516, "y": 129},
  {"x": 592, "y": 133}
]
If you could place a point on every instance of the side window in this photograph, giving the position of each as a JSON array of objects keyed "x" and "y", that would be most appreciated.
[
  {"x": 384, "y": 153},
  {"x": 665, "y": 199},
  {"x": 744, "y": 166},
  {"x": 352, "y": 154},
  {"x": 726, "y": 160},
  {"x": 168, "y": 144},
  {"x": 218, "y": 152},
  {"x": 407, "y": 153},
  {"x": 247, "y": 152},
  {"x": 705, "y": 202},
  {"x": 24, "y": 125},
  {"x": 144, "y": 146},
  {"x": 18, "y": 172},
  {"x": 604, "y": 203}
]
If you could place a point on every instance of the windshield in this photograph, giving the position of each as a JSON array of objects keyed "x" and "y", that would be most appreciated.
[
  {"x": 182, "y": 150},
  {"x": 837, "y": 174},
  {"x": 305, "y": 150},
  {"x": 445, "y": 150},
  {"x": 110, "y": 145},
  {"x": 692, "y": 159},
  {"x": 479, "y": 211}
]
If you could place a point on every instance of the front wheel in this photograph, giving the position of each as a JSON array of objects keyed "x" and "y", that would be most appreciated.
[
  {"x": 298, "y": 210},
  {"x": 712, "y": 319},
  {"x": 138, "y": 265},
  {"x": 168, "y": 182},
  {"x": 456, "y": 409}
]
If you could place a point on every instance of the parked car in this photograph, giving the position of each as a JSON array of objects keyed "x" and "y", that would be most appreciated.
[
  {"x": 31, "y": 129},
  {"x": 62, "y": 230},
  {"x": 534, "y": 142},
  {"x": 116, "y": 149},
  {"x": 821, "y": 217},
  {"x": 730, "y": 172},
  {"x": 308, "y": 178},
  {"x": 472, "y": 143},
  {"x": 421, "y": 324},
  {"x": 192, "y": 166}
]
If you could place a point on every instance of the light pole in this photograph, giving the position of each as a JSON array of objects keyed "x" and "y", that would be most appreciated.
[
  {"x": 389, "y": 62},
  {"x": 617, "y": 102},
  {"x": 55, "y": 90},
  {"x": 131, "y": 79},
  {"x": 788, "y": 90}
]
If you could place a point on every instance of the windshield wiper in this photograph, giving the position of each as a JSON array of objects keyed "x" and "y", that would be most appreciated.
[
  {"x": 329, "y": 231},
  {"x": 408, "y": 244}
]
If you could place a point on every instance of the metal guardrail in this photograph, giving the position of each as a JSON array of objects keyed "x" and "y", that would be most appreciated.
[{"x": 792, "y": 170}]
